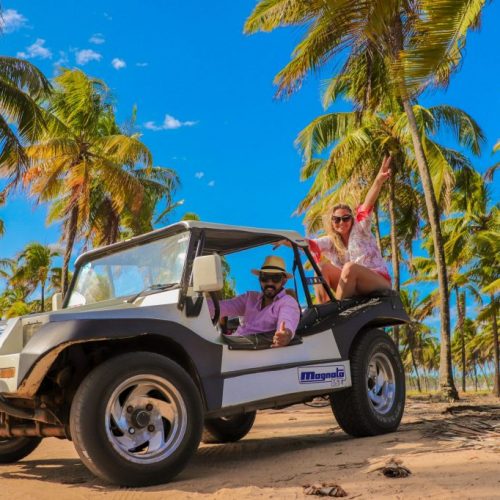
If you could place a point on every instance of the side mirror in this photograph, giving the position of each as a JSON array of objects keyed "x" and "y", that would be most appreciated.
[
  {"x": 57, "y": 301},
  {"x": 207, "y": 273}
]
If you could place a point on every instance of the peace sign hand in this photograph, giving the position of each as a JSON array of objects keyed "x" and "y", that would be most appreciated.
[{"x": 384, "y": 172}]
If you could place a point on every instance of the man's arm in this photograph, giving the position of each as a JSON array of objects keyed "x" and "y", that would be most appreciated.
[
  {"x": 230, "y": 307},
  {"x": 288, "y": 319}
]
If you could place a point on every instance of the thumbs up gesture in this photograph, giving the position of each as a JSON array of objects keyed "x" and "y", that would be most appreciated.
[{"x": 282, "y": 336}]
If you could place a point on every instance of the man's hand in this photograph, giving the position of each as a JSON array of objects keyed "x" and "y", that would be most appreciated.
[
  {"x": 282, "y": 336},
  {"x": 385, "y": 172}
]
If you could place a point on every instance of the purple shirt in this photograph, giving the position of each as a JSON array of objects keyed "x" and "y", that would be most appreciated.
[{"x": 255, "y": 319}]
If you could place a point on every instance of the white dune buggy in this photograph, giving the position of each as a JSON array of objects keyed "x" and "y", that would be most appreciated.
[{"x": 135, "y": 371}]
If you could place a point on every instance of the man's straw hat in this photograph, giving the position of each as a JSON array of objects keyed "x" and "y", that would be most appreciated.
[{"x": 273, "y": 265}]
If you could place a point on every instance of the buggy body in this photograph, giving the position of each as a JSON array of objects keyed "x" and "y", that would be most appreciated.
[{"x": 135, "y": 369}]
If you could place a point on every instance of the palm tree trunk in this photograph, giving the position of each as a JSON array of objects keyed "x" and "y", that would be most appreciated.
[
  {"x": 42, "y": 299},
  {"x": 394, "y": 245},
  {"x": 460, "y": 328},
  {"x": 377, "y": 228},
  {"x": 481, "y": 367},
  {"x": 70, "y": 236},
  {"x": 410, "y": 335},
  {"x": 496, "y": 382},
  {"x": 474, "y": 371},
  {"x": 447, "y": 385}
]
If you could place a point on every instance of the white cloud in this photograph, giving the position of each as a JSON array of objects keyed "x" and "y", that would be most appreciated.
[
  {"x": 169, "y": 123},
  {"x": 11, "y": 20},
  {"x": 142, "y": 64},
  {"x": 118, "y": 63},
  {"x": 199, "y": 175},
  {"x": 63, "y": 59},
  {"x": 86, "y": 55},
  {"x": 37, "y": 50},
  {"x": 97, "y": 39},
  {"x": 211, "y": 184}
]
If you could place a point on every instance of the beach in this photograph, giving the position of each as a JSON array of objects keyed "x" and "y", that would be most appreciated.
[{"x": 450, "y": 450}]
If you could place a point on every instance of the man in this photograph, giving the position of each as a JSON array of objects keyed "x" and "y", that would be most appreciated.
[{"x": 273, "y": 309}]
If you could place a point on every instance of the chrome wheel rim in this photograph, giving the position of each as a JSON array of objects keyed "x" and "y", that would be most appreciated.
[
  {"x": 381, "y": 383},
  {"x": 145, "y": 419}
]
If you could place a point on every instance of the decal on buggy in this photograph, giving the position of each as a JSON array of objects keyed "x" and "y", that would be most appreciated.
[{"x": 333, "y": 375}]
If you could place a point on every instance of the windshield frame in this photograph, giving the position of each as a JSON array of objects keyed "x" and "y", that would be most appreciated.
[{"x": 81, "y": 262}]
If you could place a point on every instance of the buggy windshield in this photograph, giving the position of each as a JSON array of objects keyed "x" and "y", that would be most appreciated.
[{"x": 154, "y": 265}]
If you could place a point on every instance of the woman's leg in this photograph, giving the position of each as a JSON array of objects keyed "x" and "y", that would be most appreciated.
[
  {"x": 359, "y": 280},
  {"x": 331, "y": 274}
]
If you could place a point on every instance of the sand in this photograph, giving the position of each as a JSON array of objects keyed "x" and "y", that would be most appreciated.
[{"x": 450, "y": 454}]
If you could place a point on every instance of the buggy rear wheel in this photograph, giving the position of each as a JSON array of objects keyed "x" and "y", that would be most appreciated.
[
  {"x": 374, "y": 404},
  {"x": 228, "y": 429}
]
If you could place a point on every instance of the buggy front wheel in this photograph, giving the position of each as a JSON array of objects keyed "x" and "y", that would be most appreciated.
[{"x": 136, "y": 419}]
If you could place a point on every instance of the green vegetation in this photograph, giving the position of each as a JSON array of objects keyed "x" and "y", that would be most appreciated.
[
  {"x": 99, "y": 181},
  {"x": 388, "y": 54},
  {"x": 61, "y": 145}
]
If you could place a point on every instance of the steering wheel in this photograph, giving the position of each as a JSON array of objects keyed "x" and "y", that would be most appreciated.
[{"x": 215, "y": 301}]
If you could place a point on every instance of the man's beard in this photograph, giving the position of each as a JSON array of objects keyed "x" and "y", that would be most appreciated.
[{"x": 270, "y": 291}]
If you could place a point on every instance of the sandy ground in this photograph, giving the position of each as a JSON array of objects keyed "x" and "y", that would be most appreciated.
[{"x": 449, "y": 453}]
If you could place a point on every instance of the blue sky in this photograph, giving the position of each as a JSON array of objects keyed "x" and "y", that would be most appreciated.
[{"x": 205, "y": 98}]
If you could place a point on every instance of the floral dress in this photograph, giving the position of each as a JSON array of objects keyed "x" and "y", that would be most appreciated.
[{"x": 362, "y": 247}]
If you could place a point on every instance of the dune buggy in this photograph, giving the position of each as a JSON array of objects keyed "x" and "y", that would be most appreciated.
[{"x": 134, "y": 370}]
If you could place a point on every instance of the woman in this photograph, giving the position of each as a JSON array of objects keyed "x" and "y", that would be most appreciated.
[{"x": 349, "y": 257}]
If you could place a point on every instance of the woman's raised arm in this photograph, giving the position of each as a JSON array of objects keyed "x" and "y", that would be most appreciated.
[{"x": 383, "y": 174}]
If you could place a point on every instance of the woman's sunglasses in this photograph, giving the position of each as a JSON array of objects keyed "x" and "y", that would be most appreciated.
[
  {"x": 345, "y": 218},
  {"x": 275, "y": 278}
]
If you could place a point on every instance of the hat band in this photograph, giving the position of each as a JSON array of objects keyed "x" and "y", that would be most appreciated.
[{"x": 274, "y": 267}]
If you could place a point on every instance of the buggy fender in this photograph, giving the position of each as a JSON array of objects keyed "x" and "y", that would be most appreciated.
[
  {"x": 52, "y": 338},
  {"x": 371, "y": 313}
]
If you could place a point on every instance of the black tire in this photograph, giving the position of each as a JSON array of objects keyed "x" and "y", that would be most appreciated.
[
  {"x": 365, "y": 408},
  {"x": 228, "y": 429},
  {"x": 14, "y": 449},
  {"x": 148, "y": 394}
]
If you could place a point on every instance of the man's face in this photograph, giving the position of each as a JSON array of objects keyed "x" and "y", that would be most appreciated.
[{"x": 271, "y": 283}]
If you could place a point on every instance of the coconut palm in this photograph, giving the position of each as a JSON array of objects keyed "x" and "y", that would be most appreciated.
[
  {"x": 77, "y": 156},
  {"x": 462, "y": 348},
  {"x": 357, "y": 143},
  {"x": 472, "y": 235},
  {"x": 13, "y": 302},
  {"x": 34, "y": 266},
  {"x": 416, "y": 334},
  {"x": 14, "y": 298},
  {"x": 398, "y": 46},
  {"x": 475, "y": 234},
  {"x": 22, "y": 88},
  {"x": 106, "y": 223}
]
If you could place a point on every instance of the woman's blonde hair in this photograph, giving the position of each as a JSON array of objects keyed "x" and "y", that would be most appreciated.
[{"x": 335, "y": 237}]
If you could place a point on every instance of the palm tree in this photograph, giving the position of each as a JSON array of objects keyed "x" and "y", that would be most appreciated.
[
  {"x": 416, "y": 334},
  {"x": 77, "y": 156},
  {"x": 107, "y": 224},
  {"x": 13, "y": 302},
  {"x": 22, "y": 88},
  {"x": 475, "y": 235},
  {"x": 34, "y": 266},
  {"x": 359, "y": 142},
  {"x": 13, "y": 298},
  {"x": 401, "y": 46}
]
